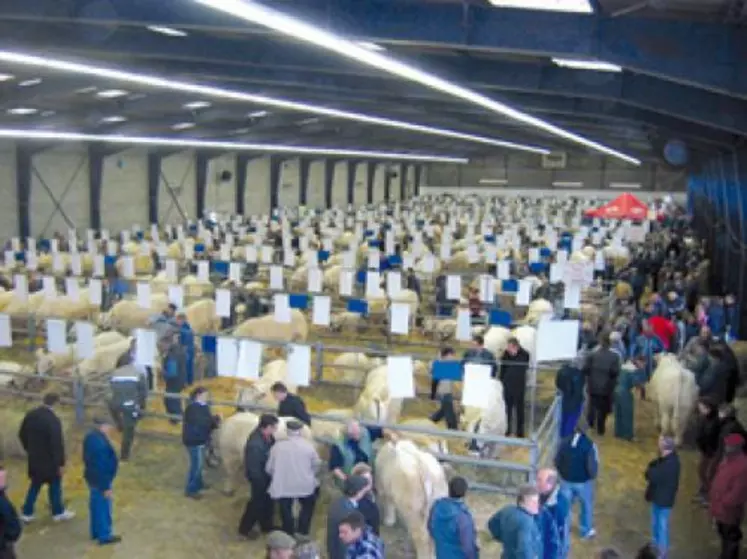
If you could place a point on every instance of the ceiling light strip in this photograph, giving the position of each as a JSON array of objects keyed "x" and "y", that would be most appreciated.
[
  {"x": 262, "y": 15},
  {"x": 209, "y": 91},
  {"x": 19, "y": 134}
]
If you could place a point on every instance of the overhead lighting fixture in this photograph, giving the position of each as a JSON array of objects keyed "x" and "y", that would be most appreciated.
[
  {"x": 48, "y": 113},
  {"x": 168, "y": 31},
  {"x": 259, "y": 14},
  {"x": 312, "y": 120},
  {"x": 258, "y": 114},
  {"x": 114, "y": 119},
  {"x": 6, "y": 77},
  {"x": 493, "y": 181},
  {"x": 22, "y": 111},
  {"x": 30, "y": 83},
  {"x": 371, "y": 46},
  {"x": 183, "y": 125},
  {"x": 579, "y": 64},
  {"x": 255, "y": 99},
  {"x": 571, "y": 6},
  {"x": 567, "y": 184},
  {"x": 85, "y": 90},
  {"x": 626, "y": 185},
  {"x": 194, "y": 143},
  {"x": 111, "y": 93},
  {"x": 194, "y": 105}
]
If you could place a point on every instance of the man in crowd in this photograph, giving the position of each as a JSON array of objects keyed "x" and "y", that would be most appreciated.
[
  {"x": 514, "y": 365},
  {"x": 100, "y": 469},
  {"x": 577, "y": 464},
  {"x": 570, "y": 381},
  {"x": 10, "y": 525},
  {"x": 165, "y": 324},
  {"x": 707, "y": 442},
  {"x": 293, "y": 465},
  {"x": 42, "y": 438},
  {"x": 129, "y": 358},
  {"x": 197, "y": 428},
  {"x": 663, "y": 477},
  {"x": 367, "y": 503},
  {"x": 290, "y": 405},
  {"x": 361, "y": 542},
  {"x": 353, "y": 490},
  {"x": 187, "y": 341},
  {"x": 260, "y": 508},
  {"x": 601, "y": 369},
  {"x": 129, "y": 392},
  {"x": 280, "y": 545},
  {"x": 515, "y": 526},
  {"x": 451, "y": 525},
  {"x": 478, "y": 354},
  {"x": 354, "y": 447},
  {"x": 554, "y": 515},
  {"x": 174, "y": 375},
  {"x": 728, "y": 495}
]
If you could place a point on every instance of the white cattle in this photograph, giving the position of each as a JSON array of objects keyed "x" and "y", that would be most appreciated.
[
  {"x": 258, "y": 393},
  {"x": 527, "y": 337},
  {"x": 9, "y": 371},
  {"x": 104, "y": 359},
  {"x": 202, "y": 317},
  {"x": 374, "y": 403},
  {"x": 675, "y": 392},
  {"x": 409, "y": 481},
  {"x": 538, "y": 309},
  {"x": 47, "y": 362},
  {"x": 127, "y": 315},
  {"x": 489, "y": 421},
  {"x": 496, "y": 339},
  {"x": 267, "y": 328},
  {"x": 352, "y": 367},
  {"x": 346, "y": 321},
  {"x": 431, "y": 443}
]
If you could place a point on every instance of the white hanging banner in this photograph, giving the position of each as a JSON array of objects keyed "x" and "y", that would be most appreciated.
[
  {"x": 145, "y": 347},
  {"x": 95, "y": 291},
  {"x": 346, "y": 282},
  {"x": 203, "y": 271},
  {"x": 176, "y": 296},
  {"x": 267, "y": 255},
  {"x": 6, "y": 333},
  {"x": 128, "y": 267},
  {"x": 373, "y": 284},
  {"x": 234, "y": 272},
  {"x": 454, "y": 288},
  {"x": 393, "y": 283},
  {"x": 322, "y": 308},
  {"x": 503, "y": 270},
  {"x": 72, "y": 289},
  {"x": 249, "y": 360},
  {"x": 143, "y": 295},
  {"x": 84, "y": 347},
  {"x": 282, "y": 308},
  {"x": 276, "y": 278},
  {"x": 399, "y": 319},
  {"x": 464, "y": 325},
  {"x": 50, "y": 287},
  {"x": 400, "y": 376},
  {"x": 524, "y": 294},
  {"x": 98, "y": 265},
  {"x": 227, "y": 357},
  {"x": 477, "y": 390},
  {"x": 299, "y": 364},
  {"x": 314, "y": 280},
  {"x": 56, "y": 336},
  {"x": 487, "y": 288},
  {"x": 223, "y": 303}
]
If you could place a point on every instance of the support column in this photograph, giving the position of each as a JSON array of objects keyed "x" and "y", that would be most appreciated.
[
  {"x": 24, "y": 156},
  {"x": 96, "y": 157},
  {"x": 370, "y": 175},
  {"x": 201, "y": 178},
  {"x": 154, "y": 182},
  {"x": 351, "y": 167},
  {"x": 242, "y": 161},
  {"x": 402, "y": 171},
  {"x": 304, "y": 164},
  {"x": 387, "y": 184},
  {"x": 416, "y": 179},
  {"x": 275, "y": 164},
  {"x": 329, "y": 177}
]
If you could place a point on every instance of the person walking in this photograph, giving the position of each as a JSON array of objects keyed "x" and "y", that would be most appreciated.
[
  {"x": 290, "y": 405},
  {"x": 570, "y": 382},
  {"x": 515, "y": 526},
  {"x": 361, "y": 542},
  {"x": 663, "y": 477},
  {"x": 260, "y": 507},
  {"x": 293, "y": 465},
  {"x": 197, "y": 428},
  {"x": 187, "y": 341},
  {"x": 174, "y": 374},
  {"x": 129, "y": 392},
  {"x": 707, "y": 443},
  {"x": 631, "y": 375},
  {"x": 451, "y": 525},
  {"x": 601, "y": 369},
  {"x": 577, "y": 463},
  {"x": 100, "y": 469},
  {"x": 10, "y": 525},
  {"x": 42, "y": 438},
  {"x": 514, "y": 365},
  {"x": 353, "y": 490},
  {"x": 728, "y": 495},
  {"x": 555, "y": 510}
]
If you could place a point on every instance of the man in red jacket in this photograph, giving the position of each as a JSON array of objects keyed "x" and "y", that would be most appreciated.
[
  {"x": 728, "y": 495},
  {"x": 664, "y": 329}
]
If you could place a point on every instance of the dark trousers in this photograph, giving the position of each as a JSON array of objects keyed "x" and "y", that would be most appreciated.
[
  {"x": 447, "y": 413},
  {"x": 434, "y": 388},
  {"x": 304, "y": 515},
  {"x": 705, "y": 474},
  {"x": 172, "y": 401},
  {"x": 731, "y": 536},
  {"x": 8, "y": 551},
  {"x": 515, "y": 402},
  {"x": 599, "y": 409},
  {"x": 54, "y": 493},
  {"x": 259, "y": 510},
  {"x": 125, "y": 419}
]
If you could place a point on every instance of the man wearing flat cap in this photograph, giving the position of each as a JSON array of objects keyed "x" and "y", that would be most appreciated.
[
  {"x": 354, "y": 489},
  {"x": 293, "y": 465},
  {"x": 728, "y": 495},
  {"x": 280, "y": 545}
]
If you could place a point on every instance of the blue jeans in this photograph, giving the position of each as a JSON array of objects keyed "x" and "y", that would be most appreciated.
[
  {"x": 584, "y": 492},
  {"x": 100, "y": 511},
  {"x": 54, "y": 493},
  {"x": 660, "y": 527},
  {"x": 194, "y": 476}
]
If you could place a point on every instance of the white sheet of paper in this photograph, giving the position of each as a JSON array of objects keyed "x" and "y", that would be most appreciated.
[
  {"x": 145, "y": 347},
  {"x": 503, "y": 270},
  {"x": 234, "y": 272},
  {"x": 276, "y": 277},
  {"x": 58, "y": 263},
  {"x": 282, "y": 308},
  {"x": 172, "y": 273},
  {"x": 267, "y": 254},
  {"x": 143, "y": 295},
  {"x": 322, "y": 310},
  {"x": 95, "y": 291},
  {"x": 556, "y": 273},
  {"x": 72, "y": 289},
  {"x": 454, "y": 288},
  {"x": 32, "y": 260},
  {"x": 128, "y": 267},
  {"x": 289, "y": 258},
  {"x": 250, "y": 253},
  {"x": 464, "y": 325},
  {"x": 373, "y": 284},
  {"x": 524, "y": 294},
  {"x": 249, "y": 359},
  {"x": 314, "y": 280},
  {"x": 223, "y": 302},
  {"x": 176, "y": 296},
  {"x": 225, "y": 252},
  {"x": 203, "y": 271},
  {"x": 572, "y": 296},
  {"x": 56, "y": 336},
  {"x": 373, "y": 259},
  {"x": 50, "y": 287},
  {"x": 476, "y": 389},
  {"x": 556, "y": 340},
  {"x": 299, "y": 364},
  {"x": 393, "y": 283},
  {"x": 227, "y": 356},
  {"x": 399, "y": 319},
  {"x": 6, "y": 334},
  {"x": 346, "y": 282},
  {"x": 400, "y": 376},
  {"x": 84, "y": 340},
  {"x": 487, "y": 288}
]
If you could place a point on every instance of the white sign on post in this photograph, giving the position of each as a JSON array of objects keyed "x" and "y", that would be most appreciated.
[
  {"x": 72, "y": 289},
  {"x": 373, "y": 284},
  {"x": 393, "y": 283},
  {"x": 250, "y": 253},
  {"x": 373, "y": 259},
  {"x": 322, "y": 310},
  {"x": 20, "y": 287},
  {"x": 227, "y": 356},
  {"x": 314, "y": 280},
  {"x": 32, "y": 260},
  {"x": 399, "y": 320},
  {"x": 58, "y": 263},
  {"x": 299, "y": 364},
  {"x": 98, "y": 265},
  {"x": 572, "y": 296},
  {"x": 84, "y": 340},
  {"x": 128, "y": 267},
  {"x": 76, "y": 264},
  {"x": 487, "y": 288},
  {"x": 223, "y": 303},
  {"x": 143, "y": 295},
  {"x": 400, "y": 376},
  {"x": 172, "y": 273},
  {"x": 346, "y": 282},
  {"x": 503, "y": 270},
  {"x": 250, "y": 359},
  {"x": 556, "y": 340},
  {"x": 176, "y": 296},
  {"x": 282, "y": 308},
  {"x": 6, "y": 334},
  {"x": 50, "y": 287},
  {"x": 95, "y": 291},
  {"x": 477, "y": 390},
  {"x": 454, "y": 288},
  {"x": 203, "y": 271},
  {"x": 276, "y": 277},
  {"x": 56, "y": 336},
  {"x": 145, "y": 347},
  {"x": 234, "y": 272},
  {"x": 524, "y": 294},
  {"x": 267, "y": 255},
  {"x": 464, "y": 326}
]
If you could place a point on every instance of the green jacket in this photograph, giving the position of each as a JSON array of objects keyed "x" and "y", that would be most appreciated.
[{"x": 348, "y": 456}]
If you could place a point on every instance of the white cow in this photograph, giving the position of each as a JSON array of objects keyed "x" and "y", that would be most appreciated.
[
  {"x": 374, "y": 403},
  {"x": 47, "y": 362},
  {"x": 496, "y": 339},
  {"x": 489, "y": 421},
  {"x": 675, "y": 392}
]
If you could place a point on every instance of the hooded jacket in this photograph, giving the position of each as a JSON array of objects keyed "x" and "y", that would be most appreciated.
[
  {"x": 517, "y": 530},
  {"x": 453, "y": 530}
]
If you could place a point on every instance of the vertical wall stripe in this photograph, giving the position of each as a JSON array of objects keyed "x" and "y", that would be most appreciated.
[
  {"x": 402, "y": 171},
  {"x": 370, "y": 175},
  {"x": 329, "y": 177},
  {"x": 387, "y": 183},
  {"x": 242, "y": 161},
  {"x": 201, "y": 178},
  {"x": 304, "y": 164},
  {"x": 416, "y": 179},
  {"x": 95, "y": 174},
  {"x": 154, "y": 181},
  {"x": 275, "y": 163},
  {"x": 24, "y": 156},
  {"x": 351, "y": 167}
]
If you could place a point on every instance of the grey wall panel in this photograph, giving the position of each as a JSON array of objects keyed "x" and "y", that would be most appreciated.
[
  {"x": 257, "y": 194},
  {"x": 378, "y": 187},
  {"x": 8, "y": 207},
  {"x": 177, "y": 189},
  {"x": 220, "y": 196},
  {"x": 61, "y": 175},
  {"x": 359, "y": 190},
  {"x": 340, "y": 185},
  {"x": 289, "y": 184},
  {"x": 316, "y": 185},
  {"x": 124, "y": 191}
]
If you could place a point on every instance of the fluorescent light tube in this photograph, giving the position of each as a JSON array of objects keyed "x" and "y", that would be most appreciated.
[
  {"x": 111, "y": 93},
  {"x": 371, "y": 46},
  {"x": 194, "y": 105},
  {"x": 572, "y": 6},
  {"x": 626, "y": 185},
  {"x": 578, "y": 64},
  {"x": 493, "y": 181},
  {"x": 30, "y": 83},
  {"x": 169, "y": 31},
  {"x": 258, "y": 114},
  {"x": 113, "y": 119},
  {"x": 183, "y": 125},
  {"x": 22, "y": 111},
  {"x": 259, "y": 14},
  {"x": 195, "y": 143},
  {"x": 568, "y": 184},
  {"x": 256, "y": 99},
  {"x": 6, "y": 77}
]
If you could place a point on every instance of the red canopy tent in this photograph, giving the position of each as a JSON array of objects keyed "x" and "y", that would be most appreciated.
[{"x": 625, "y": 206}]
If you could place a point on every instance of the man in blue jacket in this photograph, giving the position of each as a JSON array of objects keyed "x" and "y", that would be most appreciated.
[
  {"x": 187, "y": 341},
  {"x": 515, "y": 526},
  {"x": 577, "y": 463},
  {"x": 197, "y": 428},
  {"x": 570, "y": 381},
  {"x": 100, "y": 463},
  {"x": 10, "y": 523},
  {"x": 554, "y": 515},
  {"x": 451, "y": 524}
]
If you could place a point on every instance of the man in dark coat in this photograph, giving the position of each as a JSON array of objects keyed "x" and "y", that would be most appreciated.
[
  {"x": 713, "y": 382},
  {"x": 260, "y": 507},
  {"x": 174, "y": 373},
  {"x": 663, "y": 477},
  {"x": 354, "y": 489},
  {"x": 570, "y": 381},
  {"x": 290, "y": 405},
  {"x": 707, "y": 442},
  {"x": 728, "y": 495},
  {"x": 42, "y": 439},
  {"x": 10, "y": 525},
  {"x": 100, "y": 470},
  {"x": 601, "y": 370},
  {"x": 514, "y": 365},
  {"x": 197, "y": 428}
]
